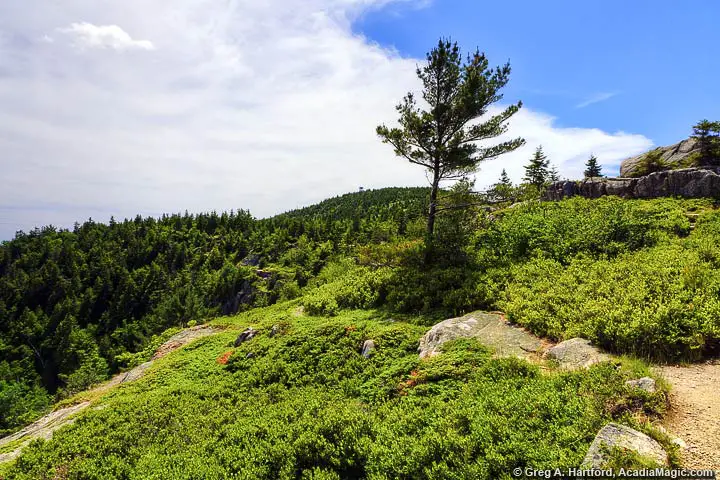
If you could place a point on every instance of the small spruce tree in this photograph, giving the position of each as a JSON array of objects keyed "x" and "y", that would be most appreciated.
[
  {"x": 708, "y": 135},
  {"x": 503, "y": 189},
  {"x": 593, "y": 168},
  {"x": 504, "y": 179},
  {"x": 554, "y": 174},
  {"x": 537, "y": 172}
]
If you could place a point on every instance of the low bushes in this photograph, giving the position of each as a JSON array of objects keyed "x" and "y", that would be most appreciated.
[
  {"x": 660, "y": 303},
  {"x": 304, "y": 403},
  {"x": 630, "y": 275},
  {"x": 356, "y": 287}
]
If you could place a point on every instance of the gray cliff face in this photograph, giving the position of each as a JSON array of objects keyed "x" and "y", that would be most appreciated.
[
  {"x": 688, "y": 182},
  {"x": 673, "y": 156}
]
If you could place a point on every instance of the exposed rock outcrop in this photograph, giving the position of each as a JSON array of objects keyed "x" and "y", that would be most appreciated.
[
  {"x": 674, "y": 156},
  {"x": 645, "y": 383},
  {"x": 687, "y": 182},
  {"x": 183, "y": 338},
  {"x": 576, "y": 353},
  {"x": 244, "y": 296},
  {"x": 368, "y": 348},
  {"x": 252, "y": 260},
  {"x": 42, "y": 429},
  {"x": 47, "y": 425},
  {"x": 248, "y": 334},
  {"x": 620, "y": 436},
  {"x": 488, "y": 328}
]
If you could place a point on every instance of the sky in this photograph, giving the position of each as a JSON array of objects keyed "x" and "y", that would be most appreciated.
[{"x": 117, "y": 108}]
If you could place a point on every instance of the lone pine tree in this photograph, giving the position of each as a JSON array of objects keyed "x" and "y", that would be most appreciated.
[
  {"x": 592, "y": 168},
  {"x": 442, "y": 139}
]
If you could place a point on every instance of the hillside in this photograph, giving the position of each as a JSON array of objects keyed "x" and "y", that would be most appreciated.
[
  {"x": 393, "y": 202},
  {"x": 302, "y": 397},
  {"x": 76, "y": 306}
]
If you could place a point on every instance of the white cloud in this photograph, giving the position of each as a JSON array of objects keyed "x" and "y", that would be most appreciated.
[
  {"x": 243, "y": 104},
  {"x": 597, "y": 98},
  {"x": 104, "y": 36}
]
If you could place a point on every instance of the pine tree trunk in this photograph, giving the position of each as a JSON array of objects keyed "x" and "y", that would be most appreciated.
[{"x": 432, "y": 210}]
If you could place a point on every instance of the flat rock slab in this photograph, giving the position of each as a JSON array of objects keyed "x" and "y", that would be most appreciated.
[
  {"x": 576, "y": 353},
  {"x": 182, "y": 338},
  {"x": 45, "y": 427},
  {"x": 490, "y": 329},
  {"x": 620, "y": 436},
  {"x": 646, "y": 383}
]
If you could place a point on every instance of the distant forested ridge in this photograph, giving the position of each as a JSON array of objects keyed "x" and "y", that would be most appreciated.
[{"x": 77, "y": 305}]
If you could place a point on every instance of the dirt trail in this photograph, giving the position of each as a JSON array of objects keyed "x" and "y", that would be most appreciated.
[
  {"x": 45, "y": 427},
  {"x": 694, "y": 413}
]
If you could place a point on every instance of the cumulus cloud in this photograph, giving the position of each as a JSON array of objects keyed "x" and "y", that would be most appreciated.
[
  {"x": 240, "y": 104},
  {"x": 104, "y": 36}
]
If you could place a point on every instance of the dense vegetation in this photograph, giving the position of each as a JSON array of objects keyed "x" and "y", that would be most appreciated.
[
  {"x": 76, "y": 305},
  {"x": 637, "y": 277},
  {"x": 304, "y": 403}
]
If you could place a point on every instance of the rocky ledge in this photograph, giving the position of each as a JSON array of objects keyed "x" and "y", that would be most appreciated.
[
  {"x": 674, "y": 156},
  {"x": 687, "y": 182}
]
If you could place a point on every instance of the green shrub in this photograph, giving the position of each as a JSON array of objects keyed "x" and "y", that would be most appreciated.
[
  {"x": 306, "y": 404},
  {"x": 660, "y": 303},
  {"x": 561, "y": 230},
  {"x": 93, "y": 370},
  {"x": 359, "y": 287}
]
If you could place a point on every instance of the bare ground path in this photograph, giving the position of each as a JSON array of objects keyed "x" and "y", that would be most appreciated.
[
  {"x": 694, "y": 413},
  {"x": 44, "y": 428}
]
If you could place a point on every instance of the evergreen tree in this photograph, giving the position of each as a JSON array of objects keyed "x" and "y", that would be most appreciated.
[
  {"x": 708, "y": 135},
  {"x": 537, "y": 172},
  {"x": 503, "y": 189},
  {"x": 504, "y": 179},
  {"x": 441, "y": 139},
  {"x": 592, "y": 168},
  {"x": 554, "y": 174},
  {"x": 76, "y": 306}
]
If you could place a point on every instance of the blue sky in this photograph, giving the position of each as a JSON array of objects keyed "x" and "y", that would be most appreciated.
[
  {"x": 147, "y": 107},
  {"x": 655, "y": 63}
]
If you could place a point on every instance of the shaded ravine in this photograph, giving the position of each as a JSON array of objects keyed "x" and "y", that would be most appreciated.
[{"x": 44, "y": 428}]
